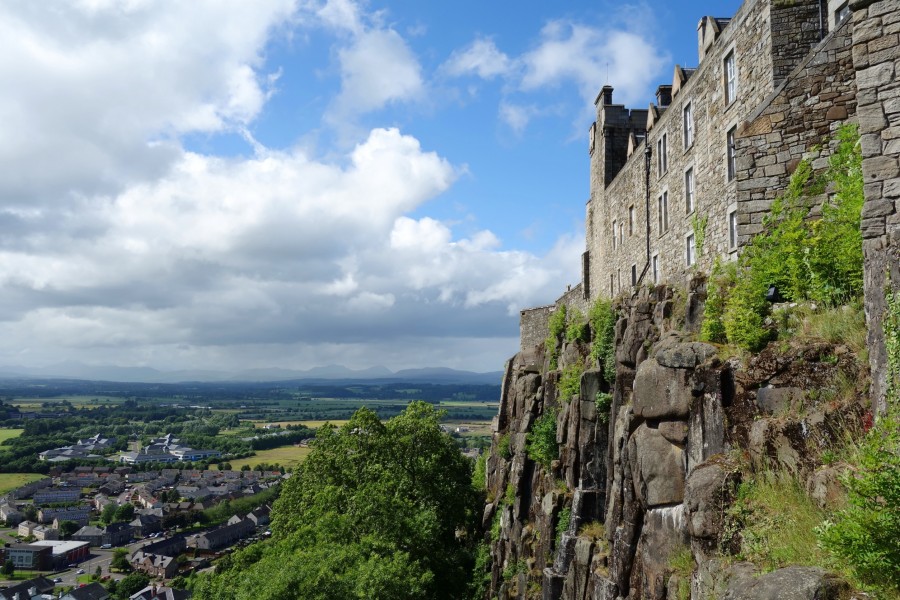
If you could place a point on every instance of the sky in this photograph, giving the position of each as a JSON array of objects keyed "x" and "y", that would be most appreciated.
[{"x": 222, "y": 184}]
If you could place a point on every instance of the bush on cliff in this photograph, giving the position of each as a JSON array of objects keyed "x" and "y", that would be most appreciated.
[
  {"x": 557, "y": 327},
  {"x": 602, "y": 319},
  {"x": 540, "y": 444},
  {"x": 804, "y": 258},
  {"x": 378, "y": 510}
]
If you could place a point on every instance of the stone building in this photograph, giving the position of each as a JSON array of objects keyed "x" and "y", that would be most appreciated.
[{"x": 690, "y": 178}]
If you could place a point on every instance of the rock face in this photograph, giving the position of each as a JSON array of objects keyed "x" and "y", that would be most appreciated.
[{"x": 649, "y": 477}]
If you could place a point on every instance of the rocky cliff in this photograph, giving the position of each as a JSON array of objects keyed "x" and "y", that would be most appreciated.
[{"x": 635, "y": 504}]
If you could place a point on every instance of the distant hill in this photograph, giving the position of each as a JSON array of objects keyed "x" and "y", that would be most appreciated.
[{"x": 329, "y": 373}]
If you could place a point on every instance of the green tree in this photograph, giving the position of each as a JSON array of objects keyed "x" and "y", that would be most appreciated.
[
  {"x": 125, "y": 512},
  {"x": 376, "y": 511},
  {"x": 131, "y": 584},
  {"x": 8, "y": 568},
  {"x": 120, "y": 560},
  {"x": 67, "y": 528},
  {"x": 108, "y": 514}
]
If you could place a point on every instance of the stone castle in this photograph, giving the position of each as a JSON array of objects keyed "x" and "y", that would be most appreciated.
[{"x": 690, "y": 178}]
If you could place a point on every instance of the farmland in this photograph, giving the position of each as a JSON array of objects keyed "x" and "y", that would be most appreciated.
[
  {"x": 286, "y": 456},
  {"x": 10, "y": 481}
]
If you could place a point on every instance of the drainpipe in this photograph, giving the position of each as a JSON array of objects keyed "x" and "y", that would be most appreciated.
[
  {"x": 821, "y": 22},
  {"x": 648, "y": 153}
]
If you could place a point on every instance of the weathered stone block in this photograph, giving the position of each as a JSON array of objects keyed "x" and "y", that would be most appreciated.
[
  {"x": 657, "y": 468},
  {"x": 877, "y": 208},
  {"x": 775, "y": 399},
  {"x": 790, "y": 583},
  {"x": 661, "y": 392},
  {"x": 686, "y": 355},
  {"x": 708, "y": 492},
  {"x": 674, "y": 431}
]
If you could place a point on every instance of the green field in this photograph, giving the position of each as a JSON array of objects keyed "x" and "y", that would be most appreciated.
[
  {"x": 310, "y": 424},
  {"x": 286, "y": 456},
  {"x": 10, "y": 481},
  {"x": 8, "y": 434}
]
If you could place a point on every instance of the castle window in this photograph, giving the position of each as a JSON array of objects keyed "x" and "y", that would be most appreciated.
[
  {"x": 614, "y": 234},
  {"x": 689, "y": 190},
  {"x": 612, "y": 285},
  {"x": 662, "y": 161},
  {"x": 842, "y": 12},
  {"x": 654, "y": 264},
  {"x": 729, "y": 142},
  {"x": 730, "y": 78},
  {"x": 688, "y": 126},
  {"x": 633, "y": 275},
  {"x": 689, "y": 250},
  {"x": 631, "y": 220},
  {"x": 621, "y": 234},
  {"x": 732, "y": 230},
  {"x": 663, "y": 210}
]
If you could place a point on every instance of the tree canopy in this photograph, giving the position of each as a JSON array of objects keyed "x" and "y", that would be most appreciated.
[{"x": 377, "y": 510}]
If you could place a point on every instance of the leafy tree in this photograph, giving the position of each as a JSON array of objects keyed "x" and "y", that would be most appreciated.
[
  {"x": 125, "y": 512},
  {"x": 120, "y": 560},
  {"x": 8, "y": 568},
  {"x": 108, "y": 514},
  {"x": 67, "y": 528},
  {"x": 376, "y": 511},
  {"x": 131, "y": 584}
]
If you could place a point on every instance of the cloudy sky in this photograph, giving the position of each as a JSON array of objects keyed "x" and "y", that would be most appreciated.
[{"x": 290, "y": 183}]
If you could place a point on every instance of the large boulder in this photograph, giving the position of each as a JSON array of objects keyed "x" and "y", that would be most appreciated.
[
  {"x": 662, "y": 392},
  {"x": 790, "y": 583},
  {"x": 709, "y": 490},
  {"x": 657, "y": 468},
  {"x": 686, "y": 355}
]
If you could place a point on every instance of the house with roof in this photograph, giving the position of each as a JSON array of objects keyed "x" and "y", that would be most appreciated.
[
  {"x": 160, "y": 592},
  {"x": 91, "y": 591},
  {"x": 39, "y": 587}
]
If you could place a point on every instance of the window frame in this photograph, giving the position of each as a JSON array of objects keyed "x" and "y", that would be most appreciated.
[
  {"x": 730, "y": 154},
  {"x": 615, "y": 236},
  {"x": 631, "y": 220},
  {"x": 654, "y": 265},
  {"x": 690, "y": 250},
  {"x": 731, "y": 77},
  {"x": 732, "y": 224},
  {"x": 690, "y": 198},
  {"x": 662, "y": 209},
  {"x": 662, "y": 155},
  {"x": 633, "y": 274},
  {"x": 687, "y": 116}
]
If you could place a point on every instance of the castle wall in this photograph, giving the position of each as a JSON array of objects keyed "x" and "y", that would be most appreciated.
[
  {"x": 876, "y": 57},
  {"x": 768, "y": 39},
  {"x": 793, "y": 123}
]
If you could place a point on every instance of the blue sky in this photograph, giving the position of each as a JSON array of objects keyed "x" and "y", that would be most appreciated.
[{"x": 293, "y": 183}]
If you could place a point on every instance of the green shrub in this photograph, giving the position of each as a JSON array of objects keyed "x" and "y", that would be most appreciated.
[
  {"x": 681, "y": 563},
  {"x": 865, "y": 535},
  {"x": 509, "y": 498},
  {"x": 479, "y": 473},
  {"x": 891, "y": 327},
  {"x": 577, "y": 327},
  {"x": 565, "y": 515},
  {"x": 557, "y": 327},
  {"x": 503, "y": 449},
  {"x": 570, "y": 382},
  {"x": 540, "y": 444},
  {"x": 481, "y": 572},
  {"x": 720, "y": 283},
  {"x": 603, "y": 401},
  {"x": 805, "y": 259},
  {"x": 698, "y": 225},
  {"x": 602, "y": 319}
]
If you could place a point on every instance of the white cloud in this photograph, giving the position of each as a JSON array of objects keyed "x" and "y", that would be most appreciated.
[
  {"x": 517, "y": 116},
  {"x": 378, "y": 68},
  {"x": 590, "y": 57},
  {"x": 481, "y": 58},
  {"x": 86, "y": 85}
]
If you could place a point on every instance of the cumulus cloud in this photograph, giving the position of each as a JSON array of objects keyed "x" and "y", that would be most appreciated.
[
  {"x": 481, "y": 57},
  {"x": 566, "y": 52},
  {"x": 590, "y": 57},
  {"x": 120, "y": 246}
]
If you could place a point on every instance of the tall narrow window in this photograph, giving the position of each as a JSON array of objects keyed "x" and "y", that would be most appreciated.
[
  {"x": 615, "y": 234},
  {"x": 633, "y": 275},
  {"x": 690, "y": 257},
  {"x": 621, "y": 234},
  {"x": 631, "y": 220},
  {"x": 662, "y": 160},
  {"x": 688, "y": 126},
  {"x": 655, "y": 266},
  {"x": 732, "y": 229},
  {"x": 730, "y": 78},
  {"x": 612, "y": 285},
  {"x": 729, "y": 142},
  {"x": 663, "y": 206},
  {"x": 689, "y": 190},
  {"x": 841, "y": 13}
]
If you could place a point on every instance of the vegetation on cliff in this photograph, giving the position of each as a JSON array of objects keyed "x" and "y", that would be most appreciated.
[
  {"x": 803, "y": 258},
  {"x": 378, "y": 510}
]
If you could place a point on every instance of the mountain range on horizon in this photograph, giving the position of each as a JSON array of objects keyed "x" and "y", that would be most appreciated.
[{"x": 77, "y": 370}]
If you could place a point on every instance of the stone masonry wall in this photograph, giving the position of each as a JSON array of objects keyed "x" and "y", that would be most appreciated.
[
  {"x": 876, "y": 58},
  {"x": 534, "y": 322},
  {"x": 803, "y": 112},
  {"x": 750, "y": 36}
]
